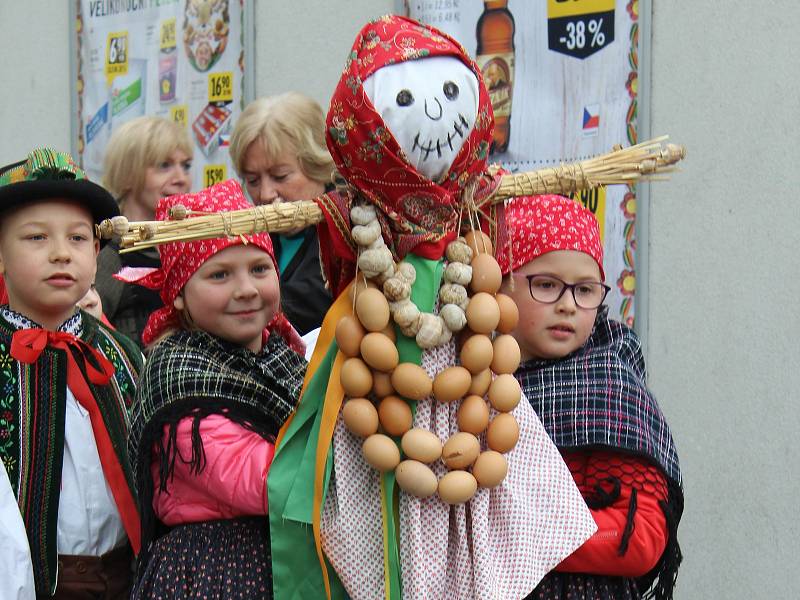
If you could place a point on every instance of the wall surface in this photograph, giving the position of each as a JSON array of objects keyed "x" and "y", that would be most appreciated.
[
  {"x": 302, "y": 45},
  {"x": 35, "y": 104},
  {"x": 723, "y": 281},
  {"x": 724, "y": 285}
]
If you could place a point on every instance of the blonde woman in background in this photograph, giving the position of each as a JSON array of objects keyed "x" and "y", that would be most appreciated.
[
  {"x": 278, "y": 148},
  {"x": 147, "y": 159}
]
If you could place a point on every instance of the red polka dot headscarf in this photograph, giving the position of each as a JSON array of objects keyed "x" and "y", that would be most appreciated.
[
  {"x": 541, "y": 224},
  {"x": 180, "y": 260}
]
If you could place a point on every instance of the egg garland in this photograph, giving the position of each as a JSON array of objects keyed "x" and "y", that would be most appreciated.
[{"x": 488, "y": 362}]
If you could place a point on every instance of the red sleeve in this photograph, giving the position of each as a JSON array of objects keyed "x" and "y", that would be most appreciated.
[{"x": 601, "y": 553}]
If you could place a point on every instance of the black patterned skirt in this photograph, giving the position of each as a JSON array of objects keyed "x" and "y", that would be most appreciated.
[
  {"x": 215, "y": 560},
  {"x": 578, "y": 586}
]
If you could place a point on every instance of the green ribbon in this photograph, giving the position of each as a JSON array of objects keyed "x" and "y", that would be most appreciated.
[{"x": 295, "y": 567}]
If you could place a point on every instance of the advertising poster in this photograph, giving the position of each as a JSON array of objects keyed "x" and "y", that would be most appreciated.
[
  {"x": 180, "y": 59},
  {"x": 562, "y": 76}
]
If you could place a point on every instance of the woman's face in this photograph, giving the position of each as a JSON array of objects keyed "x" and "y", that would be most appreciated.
[
  {"x": 169, "y": 177},
  {"x": 281, "y": 179}
]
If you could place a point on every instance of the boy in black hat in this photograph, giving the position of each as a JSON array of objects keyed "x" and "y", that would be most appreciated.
[{"x": 67, "y": 383}]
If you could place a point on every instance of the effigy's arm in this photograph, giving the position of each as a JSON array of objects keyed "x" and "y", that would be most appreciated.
[{"x": 646, "y": 161}]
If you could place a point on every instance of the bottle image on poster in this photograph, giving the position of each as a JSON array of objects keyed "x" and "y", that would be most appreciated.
[
  {"x": 495, "y": 58},
  {"x": 205, "y": 32}
]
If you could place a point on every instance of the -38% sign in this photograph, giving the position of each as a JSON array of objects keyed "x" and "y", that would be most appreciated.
[{"x": 579, "y": 28}]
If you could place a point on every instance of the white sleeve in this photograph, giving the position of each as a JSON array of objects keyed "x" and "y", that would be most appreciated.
[
  {"x": 310, "y": 340},
  {"x": 16, "y": 570}
]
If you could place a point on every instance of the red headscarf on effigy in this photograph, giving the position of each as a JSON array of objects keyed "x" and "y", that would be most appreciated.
[{"x": 415, "y": 213}]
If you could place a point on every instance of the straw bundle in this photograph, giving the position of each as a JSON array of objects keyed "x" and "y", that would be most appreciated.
[
  {"x": 645, "y": 161},
  {"x": 620, "y": 166}
]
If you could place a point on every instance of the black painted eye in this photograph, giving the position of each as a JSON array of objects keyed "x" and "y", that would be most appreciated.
[
  {"x": 404, "y": 98},
  {"x": 450, "y": 90}
]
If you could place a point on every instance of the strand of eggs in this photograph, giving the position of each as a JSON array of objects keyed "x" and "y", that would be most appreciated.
[{"x": 372, "y": 367}]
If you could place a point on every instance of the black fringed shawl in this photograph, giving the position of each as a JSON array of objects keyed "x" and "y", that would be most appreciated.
[
  {"x": 597, "y": 398},
  {"x": 195, "y": 373}
]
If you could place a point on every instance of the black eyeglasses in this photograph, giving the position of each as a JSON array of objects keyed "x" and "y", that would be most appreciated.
[{"x": 548, "y": 290}]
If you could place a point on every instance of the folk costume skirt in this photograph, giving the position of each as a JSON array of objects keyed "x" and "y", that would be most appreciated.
[
  {"x": 214, "y": 560},
  {"x": 579, "y": 586}
]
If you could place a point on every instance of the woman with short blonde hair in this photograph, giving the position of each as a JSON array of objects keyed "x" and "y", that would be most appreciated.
[
  {"x": 278, "y": 148},
  {"x": 137, "y": 145},
  {"x": 290, "y": 122},
  {"x": 147, "y": 158}
]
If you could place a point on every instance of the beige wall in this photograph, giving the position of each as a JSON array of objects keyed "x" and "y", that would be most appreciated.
[
  {"x": 724, "y": 288},
  {"x": 35, "y": 102},
  {"x": 723, "y": 247}
]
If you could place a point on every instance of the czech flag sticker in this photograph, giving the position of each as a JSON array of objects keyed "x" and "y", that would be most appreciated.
[{"x": 591, "y": 119}]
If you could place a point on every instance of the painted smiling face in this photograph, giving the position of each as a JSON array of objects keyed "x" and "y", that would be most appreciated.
[{"x": 429, "y": 106}]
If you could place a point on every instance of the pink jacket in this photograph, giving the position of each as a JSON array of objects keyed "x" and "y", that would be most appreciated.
[{"x": 233, "y": 482}]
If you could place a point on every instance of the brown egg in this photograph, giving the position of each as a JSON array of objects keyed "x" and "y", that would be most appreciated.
[
  {"x": 421, "y": 445},
  {"x": 349, "y": 334},
  {"x": 509, "y": 313},
  {"x": 381, "y": 452},
  {"x": 379, "y": 352},
  {"x": 476, "y": 353},
  {"x": 356, "y": 378},
  {"x": 480, "y": 383},
  {"x": 395, "y": 415},
  {"x": 486, "y": 274},
  {"x": 381, "y": 384},
  {"x": 360, "y": 416},
  {"x": 506, "y": 355},
  {"x": 479, "y": 242},
  {"x": 504, "y": 393},
  {"x": 460, "y": 450},
  {"x": 372, "y": 310},
  {"x": 416, "y": 479},
  {"x": 451, "y": 384},
  {"x": 359, "y": 286},
  {"x": 473, "y": 415},
  {"x": 490, "y": 469},
  {"x": 503, "y": 433},
  {"x": 483, "y": 314},
  {"x": 456, "y": 487},
  {"x": 411, "y": 381}
]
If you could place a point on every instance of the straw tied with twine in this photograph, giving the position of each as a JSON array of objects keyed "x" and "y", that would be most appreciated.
[{"x": 647, "y": 161}]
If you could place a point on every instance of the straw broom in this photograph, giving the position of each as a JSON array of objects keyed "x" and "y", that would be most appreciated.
[{"x": 648, "y": 160}]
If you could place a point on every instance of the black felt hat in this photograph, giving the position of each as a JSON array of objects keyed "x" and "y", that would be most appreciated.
[{"x": 47, "y": 174}]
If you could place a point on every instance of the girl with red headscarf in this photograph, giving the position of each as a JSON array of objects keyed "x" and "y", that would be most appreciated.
[
  {"x": 584, "y": 375},
  {"x": 223, "y": 374}
]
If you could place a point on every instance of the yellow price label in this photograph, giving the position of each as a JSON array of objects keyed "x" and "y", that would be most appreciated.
[
  {"x": 168, "y": 34},
  {"x": 116, "y": 55},
  {"x": 220, "y": 87},
  {"x": 571, "y": 8},
  {"x": 180, "y": 114},
  {"x": 213, "y": 174},
  {"x": 595, "y": 201}
]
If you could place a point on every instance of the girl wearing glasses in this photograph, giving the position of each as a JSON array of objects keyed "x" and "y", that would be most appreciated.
[{"x": 584, "y": 374}]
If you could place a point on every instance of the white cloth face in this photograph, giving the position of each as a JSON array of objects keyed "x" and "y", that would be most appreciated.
[
  {"x": 16, "y": 570},
  {"x": 429, "y": 105},
  {"x": 88, "y": 520}
]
